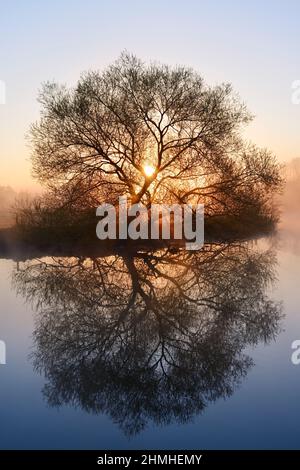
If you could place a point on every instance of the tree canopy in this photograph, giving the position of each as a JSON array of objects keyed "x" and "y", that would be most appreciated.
[
  {"x": 144, "y": 351},
  {"x": 153, "y": 132}
]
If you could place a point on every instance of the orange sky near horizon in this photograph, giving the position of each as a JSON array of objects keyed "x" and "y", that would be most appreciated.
[{"x": 252, "y": 46}]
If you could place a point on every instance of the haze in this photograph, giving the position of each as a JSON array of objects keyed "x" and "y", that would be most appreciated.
[{"x": 253, "y": 46}]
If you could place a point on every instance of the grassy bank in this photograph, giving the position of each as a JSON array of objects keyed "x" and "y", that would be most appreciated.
[{"x": 62, "y": 235}]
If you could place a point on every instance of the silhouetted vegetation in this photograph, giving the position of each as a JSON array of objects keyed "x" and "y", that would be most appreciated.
[
  {"x": 156, "y": 336},
  {"x": 93, "y": 143}
]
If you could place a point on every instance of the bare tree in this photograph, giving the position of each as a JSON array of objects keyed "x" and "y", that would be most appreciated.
[
  {"x": 147, "y": 351},
  {"x": 153, "y": 132}
]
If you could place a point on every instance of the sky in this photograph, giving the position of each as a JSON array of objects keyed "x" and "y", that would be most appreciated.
[{"x": 252, "y": 44}]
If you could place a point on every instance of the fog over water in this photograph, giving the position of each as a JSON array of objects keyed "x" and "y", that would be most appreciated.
[{"x": 83, "y": 373}]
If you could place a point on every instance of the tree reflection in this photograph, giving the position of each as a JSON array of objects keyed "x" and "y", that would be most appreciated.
[{"x": 149, "y": 336}]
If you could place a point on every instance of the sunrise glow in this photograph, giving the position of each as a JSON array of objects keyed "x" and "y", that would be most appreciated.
[{"x": 148, "y": 170}]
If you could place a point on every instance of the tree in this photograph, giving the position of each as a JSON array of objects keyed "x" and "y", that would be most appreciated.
[
  {"x": 146, "y": 351},
  {"x": 154, "y": 133}
]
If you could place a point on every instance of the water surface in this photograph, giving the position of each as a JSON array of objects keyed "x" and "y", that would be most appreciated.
[{"x": 152, "y": 350}]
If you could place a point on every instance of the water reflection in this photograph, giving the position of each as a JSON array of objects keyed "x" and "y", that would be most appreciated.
[{"x": 149, "y": 336}]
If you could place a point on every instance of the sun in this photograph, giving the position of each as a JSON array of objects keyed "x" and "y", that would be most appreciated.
[{"x": 148, "y": 170}]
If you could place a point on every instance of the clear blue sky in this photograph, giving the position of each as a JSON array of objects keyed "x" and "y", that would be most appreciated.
[{"x": 252, "y": 44}]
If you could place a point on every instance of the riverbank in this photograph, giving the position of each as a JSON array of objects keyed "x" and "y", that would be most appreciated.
[{"x": 82, "y": 240}]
